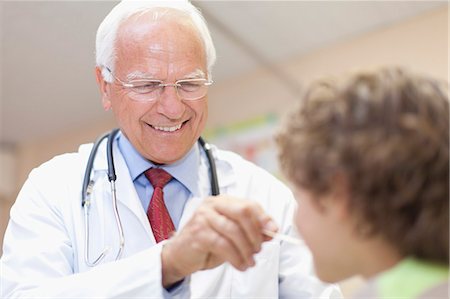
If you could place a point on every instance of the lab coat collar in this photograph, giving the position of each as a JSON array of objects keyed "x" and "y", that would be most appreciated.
[{"x": 100, "y": 162}]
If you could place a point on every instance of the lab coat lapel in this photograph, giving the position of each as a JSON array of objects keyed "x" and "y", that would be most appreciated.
[
  {"x": 220, "y": 278},
  {"x": 196, "y": 199},
  {"x": 226, "y": 178},
  {"x": 127, "y": 196}
]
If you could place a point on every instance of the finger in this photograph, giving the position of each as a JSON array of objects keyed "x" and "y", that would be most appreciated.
[
  {"x": 249, "y": 215},
  {"x": 268, "y": 225},
  {"x": 205, "y": 238},
  {"x": 234, "y": 234},
  {"x": 220, "y": 249},
  {"x": 224, "y": 249}
]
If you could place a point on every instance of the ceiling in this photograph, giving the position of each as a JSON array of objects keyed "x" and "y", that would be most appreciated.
[{"x": 47, "y": 50}]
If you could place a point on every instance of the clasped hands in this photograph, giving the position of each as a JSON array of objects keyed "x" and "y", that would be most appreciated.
[{"x": 222, "y": 229}]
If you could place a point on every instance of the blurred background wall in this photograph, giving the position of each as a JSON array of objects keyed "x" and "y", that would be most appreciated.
[{"x": 418, "y": 40}]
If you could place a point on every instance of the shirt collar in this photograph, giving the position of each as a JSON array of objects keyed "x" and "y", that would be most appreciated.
[{"x": 185, "y": 170}]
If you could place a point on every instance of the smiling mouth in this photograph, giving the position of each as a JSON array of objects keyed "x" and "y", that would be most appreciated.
[{"x": 167, "y": 128}]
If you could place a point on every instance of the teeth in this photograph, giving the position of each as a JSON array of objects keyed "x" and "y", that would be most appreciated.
[{"x": 168, "y": 129}]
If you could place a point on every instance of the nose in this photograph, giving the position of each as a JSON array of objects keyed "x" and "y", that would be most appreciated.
[{"x": 169, "y": 104}]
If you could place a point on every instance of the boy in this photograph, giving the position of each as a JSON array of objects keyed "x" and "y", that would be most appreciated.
[{"x": 368, "y": 158}]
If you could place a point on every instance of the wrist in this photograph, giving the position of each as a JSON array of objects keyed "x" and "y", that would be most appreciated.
[{"x": 170, "y": 273}]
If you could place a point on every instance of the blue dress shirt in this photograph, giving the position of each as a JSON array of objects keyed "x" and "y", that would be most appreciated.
[{"x": 185, "y": 173}]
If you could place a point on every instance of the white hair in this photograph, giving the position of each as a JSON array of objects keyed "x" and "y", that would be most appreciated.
[{"x": 105, "y": 44}]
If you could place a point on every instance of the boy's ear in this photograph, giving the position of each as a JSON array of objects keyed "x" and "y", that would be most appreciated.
[
  {"x": 104, "y": 88},
  {"x": 337, "y": 201}
]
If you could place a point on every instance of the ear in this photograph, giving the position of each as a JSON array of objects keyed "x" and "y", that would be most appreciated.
[
  {"x": 337, "y": 200},
  {"x": 104, "y": 88}
]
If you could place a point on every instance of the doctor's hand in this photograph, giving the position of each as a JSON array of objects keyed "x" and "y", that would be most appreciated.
[{"x": 223, "y": 229}]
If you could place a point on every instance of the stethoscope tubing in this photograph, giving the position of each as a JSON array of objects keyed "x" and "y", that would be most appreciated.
[{"x": 88, "y": 185}]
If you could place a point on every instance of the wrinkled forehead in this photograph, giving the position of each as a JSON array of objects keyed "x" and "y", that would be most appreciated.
[
  {"x": 154, "y": 36},
  {"x": 158, "y": 26}
]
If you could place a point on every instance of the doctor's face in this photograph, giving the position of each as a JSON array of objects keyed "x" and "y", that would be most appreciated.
[{"x": 163, "y": 130}]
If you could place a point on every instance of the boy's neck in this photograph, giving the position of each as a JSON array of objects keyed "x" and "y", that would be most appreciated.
[{"x": 378, "y": 256}]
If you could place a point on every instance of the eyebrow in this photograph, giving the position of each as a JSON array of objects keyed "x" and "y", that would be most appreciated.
[
  {"x": 138, "y": 75},
  {"x": 197, "y": 74}
]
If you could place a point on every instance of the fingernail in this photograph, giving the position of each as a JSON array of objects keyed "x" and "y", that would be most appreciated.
[
  {"x": 257, "y": 248},
  {"x": 251, "y": 263},
  {"x": 271, "y": 226}
]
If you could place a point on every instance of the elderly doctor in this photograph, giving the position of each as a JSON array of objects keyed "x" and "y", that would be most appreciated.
[{"x": 153, "y": 69}]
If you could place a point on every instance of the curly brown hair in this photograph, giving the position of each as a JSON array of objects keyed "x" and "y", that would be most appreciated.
[{"x": 387, "y": 133}]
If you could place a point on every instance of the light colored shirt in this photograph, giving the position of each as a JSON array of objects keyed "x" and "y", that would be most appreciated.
[
  {"x": 176, "y": 193},
  {"x": 411, "y": 278}
]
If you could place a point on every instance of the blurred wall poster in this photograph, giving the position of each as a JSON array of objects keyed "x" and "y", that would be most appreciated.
[{"x": 253, "y": 139}]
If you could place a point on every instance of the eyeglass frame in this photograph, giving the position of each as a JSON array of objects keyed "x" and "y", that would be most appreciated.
[{"x": 162, "y": 85}]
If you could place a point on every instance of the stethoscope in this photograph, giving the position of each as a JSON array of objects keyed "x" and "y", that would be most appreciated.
[{"x": 88, "y": 185}]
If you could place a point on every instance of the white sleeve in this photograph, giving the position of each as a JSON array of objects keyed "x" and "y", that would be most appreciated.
[{"x": 38, "y": 259}]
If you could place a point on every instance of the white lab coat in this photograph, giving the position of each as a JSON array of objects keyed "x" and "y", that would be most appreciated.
[{"x": 44, "y": 242}]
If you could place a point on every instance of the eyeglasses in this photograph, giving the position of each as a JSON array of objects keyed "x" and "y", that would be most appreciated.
[{"x": 144, "y": 90}]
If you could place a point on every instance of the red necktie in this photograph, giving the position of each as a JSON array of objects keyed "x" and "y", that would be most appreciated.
[{"x": 160, "y": 221}]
